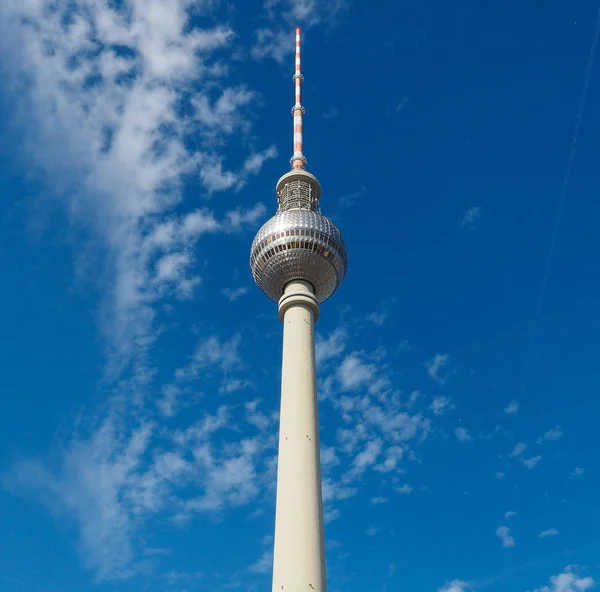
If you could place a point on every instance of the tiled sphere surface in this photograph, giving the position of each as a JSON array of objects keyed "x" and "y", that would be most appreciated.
[{"x": 298, "y": 244}]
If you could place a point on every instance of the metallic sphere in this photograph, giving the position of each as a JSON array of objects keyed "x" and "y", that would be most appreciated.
[{"x": 298, "y": 244}]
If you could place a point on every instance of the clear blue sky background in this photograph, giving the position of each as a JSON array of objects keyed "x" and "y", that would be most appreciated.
[{"x": 139, "y": 373}]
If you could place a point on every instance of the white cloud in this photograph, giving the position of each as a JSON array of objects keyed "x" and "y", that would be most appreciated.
[
  {"x": 239, "y": 218},
  {"x": 470, "y": 217},
  {"x": 528, "y": 463},
  {"x": 332, "y": 347},
  {"x": 402, "y": 104},
  {"x": 568, "y": 581},
  {"x": 531, "y": 463},
  {"x": 232, "y": 385},
  {"x": 328, "y": 456},
  {"x": 405, "y": 489},
  {"x": 440, "y": 405},
  {"x": 331, "y": 515},
  {"x": 336, "y": 491},
  {"x": 378, "y": 500},
  {"x": 276, "y": 41},
  {"x": 378, "y": 433},
  {"x": 349, "y": 199},
  {"x": 306, "y": 12},
  {"x": 578, "y": 471},
  {"x": 371, "y": 531},
  {"x": 234, "y": 294},
  {"x": 377, "y": 318},
  {"x": 265, "y": 564},
  {"x": 353, "y": 373},
  {"x": 222, "y": 115},
  {"x": 519, "y": 448},
  {"x": 512, "y": 408},
  {"x": 509, "y": 514},
  {"x": 462, "y": 434},
  {"x": 550, "y": 532},
  {"x": 129, "y": 470},
  {"x": 437, "y": 368},
  {"x": 331, "y": 113},
  {"x": 364, "y": 459},
  {"x": 106, "y": 129},
  {"x": 255, "y": 417},
  {"x": 503, "y": 533},
  {"x": 255, "y": 162},
  {"x": 455, "y": 586},
  {"x": 551, "y": 435},
  {"x": 100, "y": 485},
  {"x": 212, "y": 352},
  {"x": 277, "y": 44},
  {"x": 393, "y": 456}
]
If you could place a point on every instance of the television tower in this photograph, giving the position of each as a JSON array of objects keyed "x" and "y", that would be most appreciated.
[{"x": 298, "y": 259}]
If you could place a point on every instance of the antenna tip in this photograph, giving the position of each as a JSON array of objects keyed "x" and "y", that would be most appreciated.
[{"x": 298, "y": 30}]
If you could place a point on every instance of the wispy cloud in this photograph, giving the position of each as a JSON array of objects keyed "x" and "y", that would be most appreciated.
[
  {"x": 531, "y": 463},
  {"x": 519, "y": 449},
  {"x": 264, "y": 564},
  {"x": 377, "y": 318},
  {"x": 462, "y": 434},
  {"x": 131, "y": 468},
  {"x": 518, "y": 453},
  {"x": 568, "y": 581},
  {"x": 402, "y": 104},
  {"x": 507, "y": 540},
  {"x": 509, "y": 514},
  {"x": 254, "y": 163},
  {"x": 470, "y": 217},
  {"x": 277, "y": 44},
  {"x": 551, "y": 435},
  {"x": 378, "y": 500},
  {"x": 331, "y": 113},
  {"x": 441, "y": 404},
  {"x": 511, "y": 408},
  {"x": 548, "y": 533},
  {"x": 349, "y": 199},
  {"x": 380, "y": 430},
  {"x": 105, "y": 127},
  {"x": 306, "y": 12},
  {"x": 331, "y": 515},
  {"x": 353, "y": 372},
  {"x": 233, "y": 294},
  {"x": 276, "y": 40},
  {"x": 456, "y": 586},
  {"x": 437, "y": 368},
  {"x": 101, "y": 485},
  {"x": 330, "y": 347}
]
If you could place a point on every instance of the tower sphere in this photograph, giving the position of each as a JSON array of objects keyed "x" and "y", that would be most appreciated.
[{"x": 298, "y": 243}]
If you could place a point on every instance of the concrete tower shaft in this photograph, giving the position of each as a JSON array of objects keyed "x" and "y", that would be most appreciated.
[{"x": 299, "y": 547}]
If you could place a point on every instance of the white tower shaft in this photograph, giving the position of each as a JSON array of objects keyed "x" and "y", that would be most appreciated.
[{"x": 299, "y": 551}]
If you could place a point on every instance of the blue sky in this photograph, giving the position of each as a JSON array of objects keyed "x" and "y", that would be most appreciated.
[{"x": 141, "y": 143}]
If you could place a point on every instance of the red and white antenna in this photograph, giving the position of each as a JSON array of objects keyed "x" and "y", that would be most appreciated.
[{"x": 298, "y": 161}]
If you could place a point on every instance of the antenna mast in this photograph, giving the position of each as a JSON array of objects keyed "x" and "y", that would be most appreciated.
[{"x": 298, "y": 161}]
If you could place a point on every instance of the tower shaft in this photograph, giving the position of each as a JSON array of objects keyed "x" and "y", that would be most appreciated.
[{"x": 299, "y": 549}]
